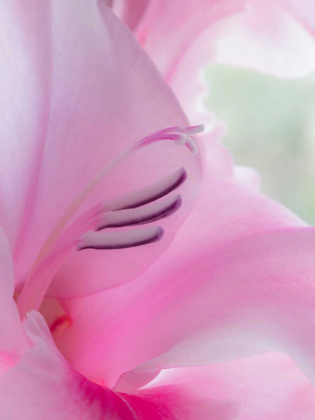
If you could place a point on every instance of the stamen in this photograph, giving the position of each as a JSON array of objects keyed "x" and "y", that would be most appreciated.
[
  {"x": 120, "y": 239},
  {"x": 140, "y": 215},
  {"x": 126, "y": 211},
  {"x": 181, "y": 137},
  {"x": 135, "y": 199},
  {"x": 192, "y": 130},
  {"x": 149, "y": 194},
  {"x": 174, "y": 133}
]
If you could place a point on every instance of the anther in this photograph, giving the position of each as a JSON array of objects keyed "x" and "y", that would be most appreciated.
[
  {"x": 120, "y": 239},
  {"x": 140, "y": 215},
  {"x": 126, "y": 211},
  {"x": 149, "y": 194}
]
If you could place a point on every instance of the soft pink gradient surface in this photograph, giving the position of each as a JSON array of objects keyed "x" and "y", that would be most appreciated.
[{"x": 234, "y": 277}]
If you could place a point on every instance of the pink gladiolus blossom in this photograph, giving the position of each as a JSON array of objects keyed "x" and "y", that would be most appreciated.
[{"x": 143, "y": 276}]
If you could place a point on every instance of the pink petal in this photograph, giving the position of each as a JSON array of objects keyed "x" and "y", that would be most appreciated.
[
  {"x": 25, "y": 82},
  {"x": 12, "y": 340},
  {"x": 188, "y": 401},
  {"x": 179, "y": 25},
  {"x": 43, "y": 385},
  {"x": 189, "y": 31},
  {"x": 274, "y": 37},
  {"x": 130, "y": 12},
  {"x": 104, "y": 95},
  {"x": 247, "y": 176},
  {"x": 267, "y": 387},
  {"x": 153, "y": 313},
  {"x": 303, "y": 11},
  {"x": 270, "y": 38},
  {"x": 252, "y": 295}
]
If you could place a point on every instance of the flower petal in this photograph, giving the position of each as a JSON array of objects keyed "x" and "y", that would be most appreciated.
[
  {"x": 303, "y": 11},
  {"x": 269, "y": 38},
  {"x": 267, "y": 387},
  {"x": 25, "y": 86},
  {"x": 43, "y": 385},
  {"x": 105, "y": 94},
  {"x": 130, "y": 12},
  {"x": 255, "y": 294},
  {"x": 185, "y": 401},
  {"x": 147, "y": 315},
  {"x": 273, "y": 37},
  {"x": 189, "y": 31},
  {"x": 12, "y": 340}
]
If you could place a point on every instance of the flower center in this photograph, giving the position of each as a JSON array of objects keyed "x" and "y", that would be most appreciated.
[{"x": 91, "y": 230}]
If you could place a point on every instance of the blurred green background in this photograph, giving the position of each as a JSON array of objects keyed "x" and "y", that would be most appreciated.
[{"x": 271, "y": 127}]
